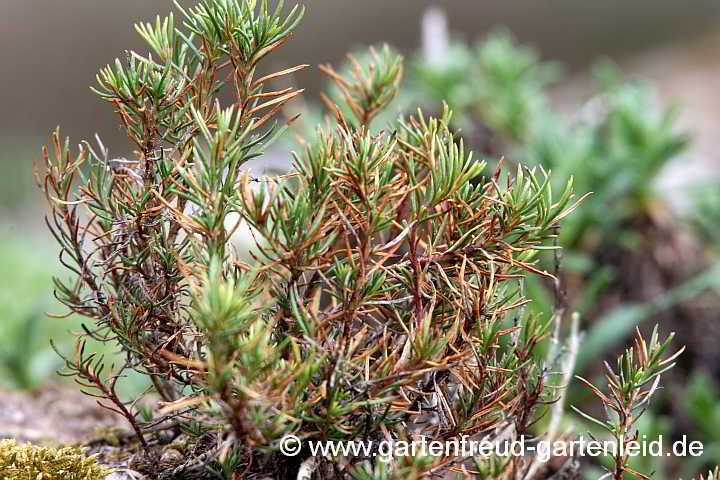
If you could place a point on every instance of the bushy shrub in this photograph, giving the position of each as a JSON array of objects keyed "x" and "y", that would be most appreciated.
[{"x": 384, "y": 298}]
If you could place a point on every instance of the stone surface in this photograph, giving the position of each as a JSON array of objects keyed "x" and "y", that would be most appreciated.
[{"x": 52, "y": 415}]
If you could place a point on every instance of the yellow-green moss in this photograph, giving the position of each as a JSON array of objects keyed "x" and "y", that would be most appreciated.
[{"x": 30, "y": 462}]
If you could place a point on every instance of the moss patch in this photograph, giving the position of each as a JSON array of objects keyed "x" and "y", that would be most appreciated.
[{"x": 30, "y": 462}]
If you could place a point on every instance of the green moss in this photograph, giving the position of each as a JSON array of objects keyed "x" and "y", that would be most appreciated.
[{"x": 30, "y": 462}]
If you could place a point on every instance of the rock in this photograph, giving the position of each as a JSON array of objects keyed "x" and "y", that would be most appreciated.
[{"x": 52, "y": 415}]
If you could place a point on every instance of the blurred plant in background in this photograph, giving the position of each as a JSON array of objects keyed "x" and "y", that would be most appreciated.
[
  {"x": 615, "y": 145},
  {"x": 705, "y": 213},
  {"x": 25, "y": 359}
]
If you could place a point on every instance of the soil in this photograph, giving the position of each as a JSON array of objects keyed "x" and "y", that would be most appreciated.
[{"x": 53, "y": 415}]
